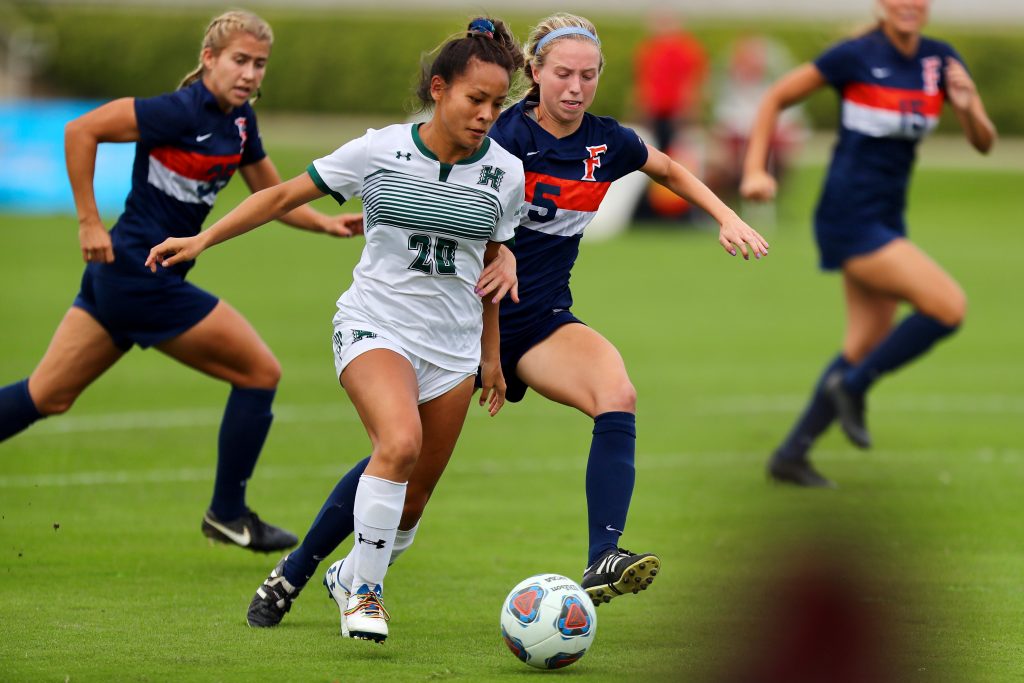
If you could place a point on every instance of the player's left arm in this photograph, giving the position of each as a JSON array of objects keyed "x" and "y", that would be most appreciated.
[
  {"x": 263, "y": 174},
  {"x": 733, "y": 232},
  {"x": 492, "y": 381},
  {"x": 968, "y": 107}
]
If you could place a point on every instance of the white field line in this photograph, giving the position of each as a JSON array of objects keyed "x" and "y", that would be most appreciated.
[
  {"x": 504, "y": 467},
  {"x": 339, "y": 412}
]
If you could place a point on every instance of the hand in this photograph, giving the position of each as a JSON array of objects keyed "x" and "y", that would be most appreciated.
[
  {"x": 95, "y": 242},
  {"x": 500, "y": 277},
  {"x": 344, "y": 225},
  {"x": 734, "y": 234},
  {"x": 173, "y": 250},
  {"x": 492, "y": 391},
  {"x": 759, "y": 186},
  {"x": 959, "y": 86}
]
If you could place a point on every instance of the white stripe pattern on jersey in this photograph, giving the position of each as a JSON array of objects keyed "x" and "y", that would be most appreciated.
[
  {"x": 883, "y": 123},
  {"x": 176, "y": 185}
]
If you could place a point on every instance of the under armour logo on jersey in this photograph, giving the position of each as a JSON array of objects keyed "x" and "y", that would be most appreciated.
[
  {"x": 594, "y": 161},
  {"x": 491, "y": 175},
  {"x": 379, "y": 545},
  {"x": 406, "y": 155}
]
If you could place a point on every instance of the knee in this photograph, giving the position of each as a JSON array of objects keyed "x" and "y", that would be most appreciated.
[
  {"x": 950, "y": 310},
  {"x": 620, "y": 398},
  {"x": 399, "y": 450},
  {"x": 54, "y": 404},
  {"x": 266, "y": 374}
]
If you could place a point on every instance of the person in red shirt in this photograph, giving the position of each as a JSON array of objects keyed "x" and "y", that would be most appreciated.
[{"x": 670, "y": 69}]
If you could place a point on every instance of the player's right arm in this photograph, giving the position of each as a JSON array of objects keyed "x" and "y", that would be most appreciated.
[
  {"x": 257, "y": 209},
  {"x": 794, "y": 87},
  {"x": 492, "y": 380},
  {"x": 112, "y": 122}
]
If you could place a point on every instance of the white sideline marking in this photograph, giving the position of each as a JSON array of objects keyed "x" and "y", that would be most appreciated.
[
  {"x": 502, "y": 467},
  {"x": 340, "y": 412}
]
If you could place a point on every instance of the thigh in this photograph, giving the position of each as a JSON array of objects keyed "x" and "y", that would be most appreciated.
[
  {"x": 900, "y": 269},
  {"x": 578, "y": 367},
  {"x": 224, "y": 345},
  {"x": 384, "y": 391},
  {"x": 80, "y": 351},
  {"x": 869, "y": 318},
  {"x": 442, "y": 419}
]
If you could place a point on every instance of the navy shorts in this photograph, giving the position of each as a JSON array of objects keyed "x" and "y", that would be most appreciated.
[
  {"x": 144, "y": 309},
  {"x": 837, "y": 243},
  {"x": 512, "y": 350}
]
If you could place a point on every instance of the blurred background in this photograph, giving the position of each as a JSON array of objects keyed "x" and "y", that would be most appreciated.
[{"x": 687, "y": 74}]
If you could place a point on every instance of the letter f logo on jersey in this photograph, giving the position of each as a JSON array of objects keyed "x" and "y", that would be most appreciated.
[{"x": 594, "y": 161}]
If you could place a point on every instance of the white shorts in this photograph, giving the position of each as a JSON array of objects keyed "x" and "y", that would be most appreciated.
[{"x": 353, "y": 339}]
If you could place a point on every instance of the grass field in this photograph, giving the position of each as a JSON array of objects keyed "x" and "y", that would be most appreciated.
[{"x": 722, "y": 352}]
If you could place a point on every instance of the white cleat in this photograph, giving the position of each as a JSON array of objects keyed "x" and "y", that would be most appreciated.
[
  {"x": 338, "y": 592},
  {"x": 366, "y": 617}
]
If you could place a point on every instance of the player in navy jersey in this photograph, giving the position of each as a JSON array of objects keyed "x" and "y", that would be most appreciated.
[
  {"x": 570, "y": 158},
  {"x": 892, "y": 82},
  {"x": 189, "y": 144}
]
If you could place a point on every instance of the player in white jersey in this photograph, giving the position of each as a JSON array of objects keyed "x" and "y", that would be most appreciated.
[{"x": 439, "y": 199}]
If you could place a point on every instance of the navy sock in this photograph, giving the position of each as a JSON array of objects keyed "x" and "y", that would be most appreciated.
[
  {"x": 610, "y": 476},
  {"x": 332, "y": 525},
  {"x": 17, "y": 411},
  {"x": 816, "y": 418},
  {"x": 243, "y": 430},
  {"x": 911, "y": 338}
]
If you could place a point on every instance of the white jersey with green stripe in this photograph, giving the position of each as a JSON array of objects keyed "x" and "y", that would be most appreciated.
[{"x": 427, "y": 224}]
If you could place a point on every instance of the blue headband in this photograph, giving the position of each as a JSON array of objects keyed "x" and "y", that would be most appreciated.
[
  {"x": 483, "y": 26},
  {"x": 567, "y": 31}
]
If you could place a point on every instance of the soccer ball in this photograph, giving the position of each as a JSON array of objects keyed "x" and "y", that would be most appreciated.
[{"x": 548, "y": 621}]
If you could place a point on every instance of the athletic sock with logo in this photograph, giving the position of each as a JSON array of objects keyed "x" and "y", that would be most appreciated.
[
  {"x": 243, "y": 430},
  {"x": 378, "y": 509},
  {"x": 911, "y": 338},
  {"x": 610, "y": 476},
  {"x": 17, "y": 409},
  {"x": 403, "y": 539},
  {"x": 333, "y": 524},
  {"x": 816, "y": 418}
]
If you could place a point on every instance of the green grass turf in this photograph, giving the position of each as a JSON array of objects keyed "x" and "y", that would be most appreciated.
[{"x": 722, "y": 353}]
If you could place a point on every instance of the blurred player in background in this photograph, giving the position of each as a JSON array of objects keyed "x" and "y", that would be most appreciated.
[
  {"x": 438, "y": 198},
  {"x": 669, "y": 70},
  {"x": 752, "y": 65},
  {"x": 893, "y": 82},
  {"x": 190, "y": 143}
]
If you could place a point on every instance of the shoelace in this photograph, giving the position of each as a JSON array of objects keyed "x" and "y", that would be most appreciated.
[{"x": 371, "y": 605}]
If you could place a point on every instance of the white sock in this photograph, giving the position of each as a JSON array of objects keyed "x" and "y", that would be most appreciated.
[
  {"x": 377, "y": 511},
  {"x": 403, "y": 539}
]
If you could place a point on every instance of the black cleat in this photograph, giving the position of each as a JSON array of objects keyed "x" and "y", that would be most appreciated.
[
  {"x": 249, "y": 532},
  {"x": 273, "y": 599},
  {"x": 618, "y": 572},
  {"x": 850, "y": 409},
  {"x": 797, "y": 472}
]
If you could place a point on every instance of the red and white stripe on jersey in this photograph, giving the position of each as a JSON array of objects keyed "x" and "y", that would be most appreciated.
[
  {"x": 577, "y": 202},
  {"x": 190, "y": 176},
  {"x": 882, "y": 112}
]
